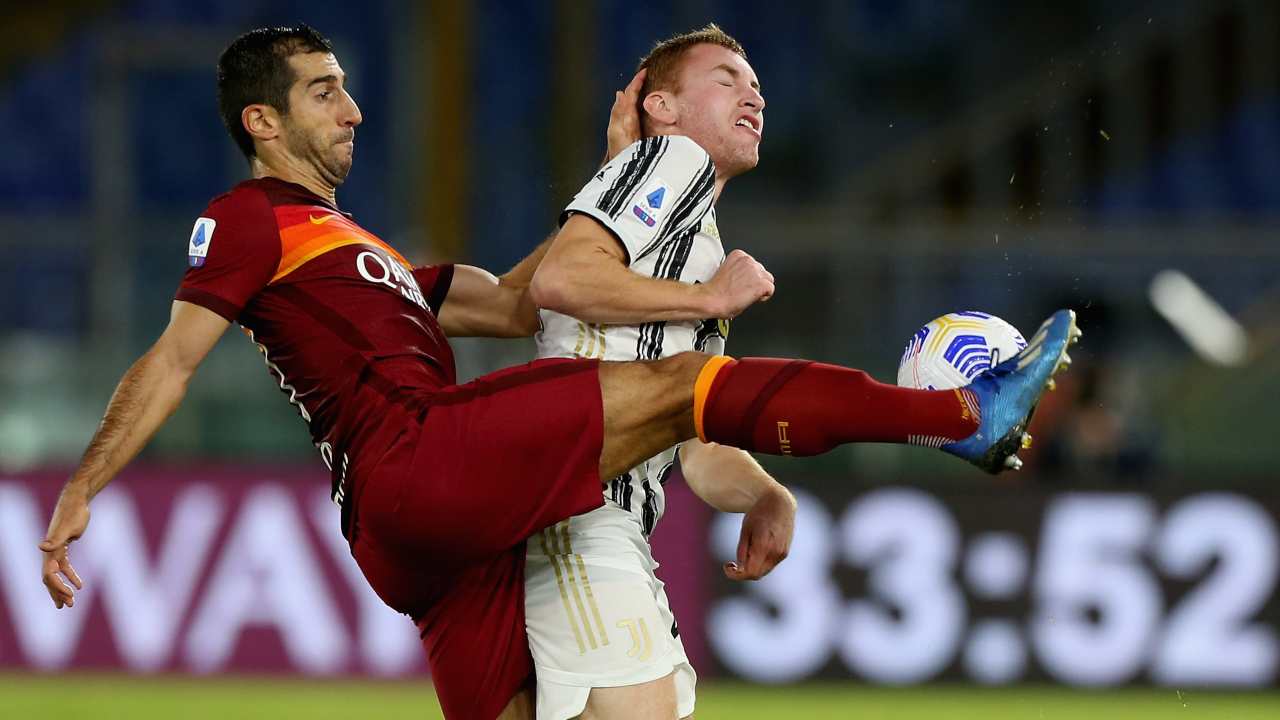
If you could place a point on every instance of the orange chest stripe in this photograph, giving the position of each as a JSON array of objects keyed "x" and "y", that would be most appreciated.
[
  {"x": 310, "y": 251},
  {"x": 304, "y": 242}
]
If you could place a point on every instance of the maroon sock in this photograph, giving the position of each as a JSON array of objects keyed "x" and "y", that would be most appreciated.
[{"x": 798, "y": 407}]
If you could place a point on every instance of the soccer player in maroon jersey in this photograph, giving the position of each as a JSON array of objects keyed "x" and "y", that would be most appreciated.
[{"x": 441, "y": 483}]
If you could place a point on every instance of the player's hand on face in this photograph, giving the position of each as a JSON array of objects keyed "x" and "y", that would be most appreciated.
[
  {"x": 738, "y": 284},
  {"x": 70, "y": 518},
  {"x": 624, "y": 118},
  {"x": 767, "y": 529}
]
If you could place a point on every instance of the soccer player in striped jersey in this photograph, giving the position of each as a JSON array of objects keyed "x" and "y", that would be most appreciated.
[{"x": 605, "y": 642}]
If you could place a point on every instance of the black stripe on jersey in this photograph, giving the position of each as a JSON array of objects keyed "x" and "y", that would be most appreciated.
[
  {"x": 698, "y": 191},
  {"x": 620, "y": 491},
  {"x": 649, "y": 513},
  {"x": 649, "y": 344},
  {"x": 672, "y": 260},
  {"x": 676, "y": 260},
  {"x": 647, "y": 168},
  {"x": 665, "y": 473},
  {"x": 625, "y": 177},
  {"x": 701, "y": 191},
  {"x": 633, "y": 175}
]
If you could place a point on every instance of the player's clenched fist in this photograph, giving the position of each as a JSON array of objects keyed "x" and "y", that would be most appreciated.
[{"x": 738, "y": 284}]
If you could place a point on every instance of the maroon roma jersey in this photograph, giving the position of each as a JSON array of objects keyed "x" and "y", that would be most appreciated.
[{"x": 344, "y": 322}]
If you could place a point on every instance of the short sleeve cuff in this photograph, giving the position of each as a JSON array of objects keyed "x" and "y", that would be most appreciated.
[
  {"x": 228, "y": 310},
  {"x": 440, "y": 290},
  {"x": 605, "y": 221}
]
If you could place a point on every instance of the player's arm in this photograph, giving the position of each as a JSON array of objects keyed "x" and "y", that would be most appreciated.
[
  {"x": 147, "y": 395},
  {"x": 657, "y": 190},
  {"x": 730, "y": 480},
  {"x": 585, "y": 275},
  {"x": 521, "y": 276},
  {"x": 480, "y": 304}
]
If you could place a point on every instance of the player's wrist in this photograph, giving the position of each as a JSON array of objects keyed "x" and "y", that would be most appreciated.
[
  {"x": 78, "y": 490},
  {"x": 708, "y": 302},
  {"x": 775, "y": 493}
]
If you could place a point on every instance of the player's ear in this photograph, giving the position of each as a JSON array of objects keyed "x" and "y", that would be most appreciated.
[
  {"x": 661, "y": 106},
  {"x": 262, "y": 122}
]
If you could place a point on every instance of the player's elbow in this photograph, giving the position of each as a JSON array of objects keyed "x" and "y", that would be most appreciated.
[
  {"x": 171, "y": 359},
  {"x": 524, "y": 321},
  {"x": 551, "y": 289},
  {"x": 161, "y": 374}
]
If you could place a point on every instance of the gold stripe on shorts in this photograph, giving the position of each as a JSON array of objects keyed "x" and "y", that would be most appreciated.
[
  {"x": 586, "y": 582},
  {"x": 573, "y": 584},
  {"x": 564, "y": 595}
]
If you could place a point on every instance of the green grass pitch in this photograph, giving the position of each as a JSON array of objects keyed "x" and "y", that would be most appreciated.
[{"x": 139, "y": 698}]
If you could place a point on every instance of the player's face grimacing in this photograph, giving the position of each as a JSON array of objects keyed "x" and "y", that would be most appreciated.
[
  {"x": 320, "y": 126},
  {"x": 721, "y": 107}
]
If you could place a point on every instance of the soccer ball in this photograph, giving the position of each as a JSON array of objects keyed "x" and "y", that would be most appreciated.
[{"x": 952, "y": 350}]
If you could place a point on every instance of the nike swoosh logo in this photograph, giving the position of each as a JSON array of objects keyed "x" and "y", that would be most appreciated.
[{"x": 320, "y": 220}]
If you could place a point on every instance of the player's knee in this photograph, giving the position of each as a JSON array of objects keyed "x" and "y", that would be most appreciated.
[
  {"x": 674, "y": 377},
  {"x": 657, "y": 389},
  {"x": 682, "y": 366},
  {"x": 521, "y": 706}
]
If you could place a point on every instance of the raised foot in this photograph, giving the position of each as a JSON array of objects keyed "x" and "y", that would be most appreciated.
[{"x": 1008, "y": 394}]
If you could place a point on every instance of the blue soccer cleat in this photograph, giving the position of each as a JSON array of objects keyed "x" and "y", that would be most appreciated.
[{"x": 1007, "y": 395}]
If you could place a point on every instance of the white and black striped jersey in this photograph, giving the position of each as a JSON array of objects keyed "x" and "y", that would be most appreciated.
[{"x": 655, "y": 198}]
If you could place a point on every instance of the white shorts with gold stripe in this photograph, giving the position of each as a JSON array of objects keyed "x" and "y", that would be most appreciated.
[{"x": 596, "y": 614}]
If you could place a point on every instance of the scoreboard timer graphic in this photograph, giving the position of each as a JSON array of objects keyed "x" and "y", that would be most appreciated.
[{"x": 902, "y": 586}]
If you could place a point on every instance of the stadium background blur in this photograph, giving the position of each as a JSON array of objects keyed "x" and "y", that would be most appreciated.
[{"x": 919, "y": 157}]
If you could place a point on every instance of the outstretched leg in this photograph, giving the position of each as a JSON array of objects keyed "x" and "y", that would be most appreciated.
[
  {"x": 797, "y": 407},
  {"x": 780, "y": 407}
]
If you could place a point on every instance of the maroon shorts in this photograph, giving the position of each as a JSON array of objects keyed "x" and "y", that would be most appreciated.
[{"x": 440, "y": 520}]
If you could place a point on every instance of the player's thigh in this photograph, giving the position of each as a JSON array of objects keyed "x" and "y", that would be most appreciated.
[
  {"x": 491, "y": 463},
  {"x": 596, "y": 614},
  {"x": 477, "y": 647},
  {"x": 654, "y": 700},
  {"x": 520, "y": 707},
  {"x": 471, "y": 622},
  {"x": 648, "y": 407}
]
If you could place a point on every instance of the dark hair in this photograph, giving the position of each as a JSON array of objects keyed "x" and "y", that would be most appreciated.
[
  {"x": 255, "y": 69},
  {"x": 663, "y": 61}
]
